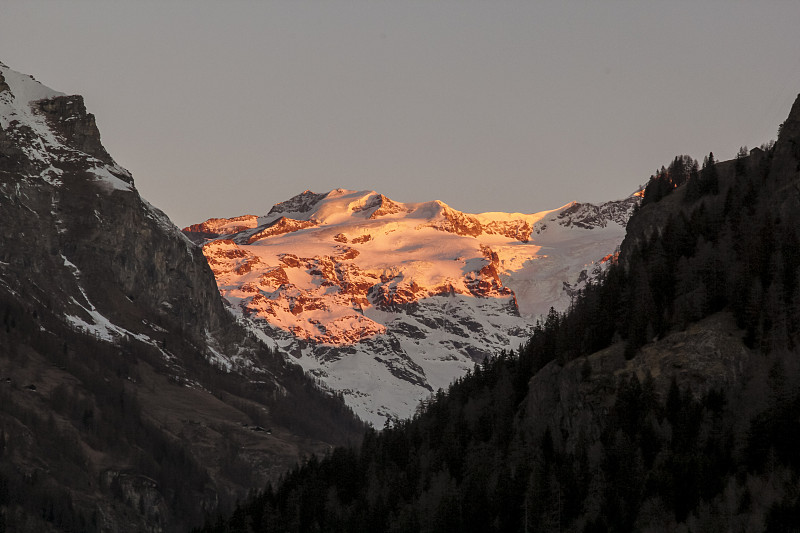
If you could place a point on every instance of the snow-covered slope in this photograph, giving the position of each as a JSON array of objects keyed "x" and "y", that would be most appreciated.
[{"x": 386, "y": 302}]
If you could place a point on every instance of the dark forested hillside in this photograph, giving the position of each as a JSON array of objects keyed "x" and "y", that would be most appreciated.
[
  {"x": 96, "y": 436},
  {"x": 666, "y": 399}
]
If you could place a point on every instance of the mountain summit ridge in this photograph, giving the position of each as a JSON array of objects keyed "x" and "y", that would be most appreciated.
[{"x": 386, "y": 301}]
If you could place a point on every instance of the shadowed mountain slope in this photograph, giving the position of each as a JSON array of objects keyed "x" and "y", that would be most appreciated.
[{"x": 130, "y": 398}]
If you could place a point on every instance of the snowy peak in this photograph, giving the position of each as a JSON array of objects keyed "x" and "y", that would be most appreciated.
[
  {"x": 365, "y": 291},
  {"x": 45, "y": 133},
  {"x": 335, "y": 207},
  {"x": 18, "y": 90},
  {"x": 302, "y": 203},
  {"x": 346, "y": 207}
]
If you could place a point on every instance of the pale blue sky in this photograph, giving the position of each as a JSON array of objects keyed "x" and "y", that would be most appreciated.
[{"x": 225, "y": 108}]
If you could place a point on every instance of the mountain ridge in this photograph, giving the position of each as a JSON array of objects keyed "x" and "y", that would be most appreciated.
[
  {"x": 410, "y": 295},
  {"x": 131, "y": 399}
]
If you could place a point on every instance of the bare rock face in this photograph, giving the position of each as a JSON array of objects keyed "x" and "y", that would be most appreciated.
[
  {"x": 590, "y": 216},
  {"x": 67, "y": 115},
  {"x": 281, "y": 226},
  {"x": 787, "y": 148},
  {"x": 3, "y": 85},
  {"x": 785, "y": 164},
  {"x": 138, "y": 265},
  {"x": 12, "y": 158},
  {"x": 73, "y": 218},
  {"x": 95, "y": 265},
  {"x": 217, "y": 227},
  {"x": 105, "y": 249},
  {"x": 384, "y": 207},
  {"x": 466, "y": 225},
  {"x": 302, "y": 203}
]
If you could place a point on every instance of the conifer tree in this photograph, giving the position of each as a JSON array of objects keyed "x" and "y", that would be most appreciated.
[{"x": 708, "y": 176}]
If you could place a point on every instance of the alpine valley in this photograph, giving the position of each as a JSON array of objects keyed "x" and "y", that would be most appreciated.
[
  {"x": 387, "y": 302},
  {"x": 629, "y": 366}
]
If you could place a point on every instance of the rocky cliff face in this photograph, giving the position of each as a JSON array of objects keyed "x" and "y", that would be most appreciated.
[
  {"x": 785, "y": 164},
  {"x": 78, "y": 235},
  {"x": 132, "y": 400},
  {"x": 386, "y": 302}
]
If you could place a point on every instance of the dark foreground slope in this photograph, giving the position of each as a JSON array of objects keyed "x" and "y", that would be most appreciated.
[
  {"x": 130, "y": 400},
  {"x": 667, "y": 399}
]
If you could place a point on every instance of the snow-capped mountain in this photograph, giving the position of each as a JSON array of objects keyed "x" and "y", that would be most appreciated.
[{"x": 385, "y": 302}]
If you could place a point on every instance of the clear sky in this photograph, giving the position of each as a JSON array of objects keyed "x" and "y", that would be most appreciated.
[{"x": 225, "y": 108}]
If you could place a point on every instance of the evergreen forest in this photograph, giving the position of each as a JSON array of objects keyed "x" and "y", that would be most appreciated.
[{"x": 585, "y": 427}]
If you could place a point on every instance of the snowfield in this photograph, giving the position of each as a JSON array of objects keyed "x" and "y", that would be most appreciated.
[{"x": 386, "y": 302}]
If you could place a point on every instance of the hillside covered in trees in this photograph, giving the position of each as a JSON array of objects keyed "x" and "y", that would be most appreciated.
[{"x": 665, "y": 399}]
